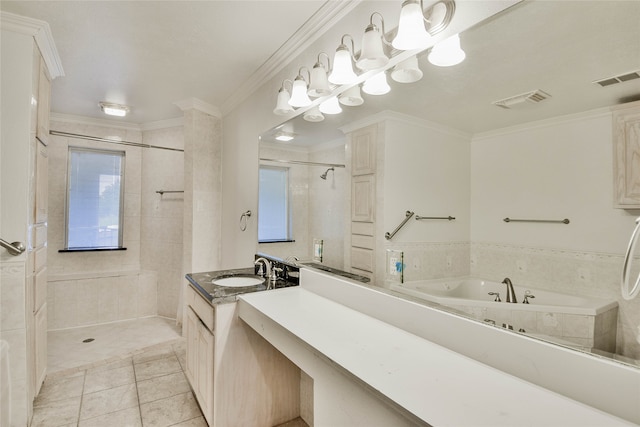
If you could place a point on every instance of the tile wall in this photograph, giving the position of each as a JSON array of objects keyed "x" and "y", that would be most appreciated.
[{"x": 88, "y": 288}]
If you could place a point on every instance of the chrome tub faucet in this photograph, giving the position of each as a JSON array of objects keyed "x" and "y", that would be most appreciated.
[{"x": 511, "y": 295}]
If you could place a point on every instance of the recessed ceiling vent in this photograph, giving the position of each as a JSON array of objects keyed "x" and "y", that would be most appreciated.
[
  {"x": 618, "y": 79},
  {"x": 532, "y": 97}
]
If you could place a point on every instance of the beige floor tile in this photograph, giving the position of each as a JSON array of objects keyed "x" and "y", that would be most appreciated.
[
  {"x": 162, "y": 387},
  {"x": 60, "y": 388},
  {"x": 56, "y": 413},
  {"x": 125, "y": 418},
  {"x": 196, "y": 422},
  {"x": 170, "y": 411},
  {"x": 297, "y": 422},
  {"x": 157, "y": 367},
  {"x": 106, "y": 401},
  {"x": 106, "y": 379},
  {"x": 154, "y": 354}
]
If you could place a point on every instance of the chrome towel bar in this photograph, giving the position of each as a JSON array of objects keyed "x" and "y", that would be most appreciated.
[
  {"x": 560, "y": 221},
  {"x": 408, "y": 215},
  {"x": 161, "y": 192},
  {"x": 450, "y": 218}
]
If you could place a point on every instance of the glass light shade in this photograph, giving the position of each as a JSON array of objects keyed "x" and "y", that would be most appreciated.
[
  {"x": 376, "y": 85},
  {"x": 299, "y": 97},
  {"x": 372, "y": 54},
  {"x": 313, "y": 115},
  {"x": 342, "y": 73},
  {"x": 407, "y": 71},
  {"x": 411, "y": 31},
  {"x": 331, "y": 106},
  {"x": 447, "y": 52},
  {"x": 319, "y": 85},
  {"x": 351, "y": 97},
  {"x": 282, "y": 105}
]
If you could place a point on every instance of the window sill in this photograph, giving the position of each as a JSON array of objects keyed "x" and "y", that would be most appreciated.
[
  {"x": 276, "y": 241},
  {"x": 91, "y": 249}
]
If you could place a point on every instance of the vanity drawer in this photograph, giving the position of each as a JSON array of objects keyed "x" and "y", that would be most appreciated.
[{"x": 201, "y": 307}]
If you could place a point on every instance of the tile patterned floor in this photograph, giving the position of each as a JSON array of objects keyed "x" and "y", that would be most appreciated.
[{"x": 146, "y": 389}]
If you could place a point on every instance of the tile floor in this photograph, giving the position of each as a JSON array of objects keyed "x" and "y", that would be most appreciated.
[{"x": 148, "y": 389}]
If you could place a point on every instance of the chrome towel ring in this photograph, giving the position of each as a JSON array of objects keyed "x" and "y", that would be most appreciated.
[
  {"x": 243, "y": 220},
  {"x": 627, "y": 293}
]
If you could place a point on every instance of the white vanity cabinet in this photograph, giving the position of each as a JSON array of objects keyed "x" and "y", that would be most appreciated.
[
  {"x": 238, "y": 378},
  {"x": 626, "y": 156}
]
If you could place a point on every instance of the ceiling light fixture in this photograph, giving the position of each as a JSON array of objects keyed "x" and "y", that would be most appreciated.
[
  {"x": 114, "y": 109},
  {"x": 319, "y": 84},
  {"x": 412, "y": 33},
  {"x": 282, "y": 105},
  {"x": 284, "y": 137},
  {"x": 342, "y": 73},
  {"x": 377, "y": 85},
  {"x": 372, "y": 54},
  {"x": 407, "y": 71},
  {"x": 447, "y": 53},
  {"x": 299, "y": 97}
]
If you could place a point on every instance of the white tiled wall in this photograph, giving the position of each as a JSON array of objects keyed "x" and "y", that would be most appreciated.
[{"x": 87, "y": 288}]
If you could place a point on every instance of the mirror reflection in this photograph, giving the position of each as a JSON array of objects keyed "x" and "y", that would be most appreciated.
[{"x": 522, "y": 129}]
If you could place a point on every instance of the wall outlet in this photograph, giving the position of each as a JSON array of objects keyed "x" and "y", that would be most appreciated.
[{"x": 395, "y": 265}]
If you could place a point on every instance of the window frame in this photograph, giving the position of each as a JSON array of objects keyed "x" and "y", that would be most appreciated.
[
  {"x": 288, "y": 204},
  {"x": 123, "y": 156}
]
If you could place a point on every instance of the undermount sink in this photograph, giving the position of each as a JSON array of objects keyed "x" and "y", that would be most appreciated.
[{"x": 238, "y": 281}]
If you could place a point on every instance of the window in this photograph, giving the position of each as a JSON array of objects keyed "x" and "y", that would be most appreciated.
[
  {"x": 94, "y": 199},
  {"x": 273, "y": 205}
]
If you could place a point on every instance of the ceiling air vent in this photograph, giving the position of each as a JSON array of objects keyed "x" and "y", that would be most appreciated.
[
  {"x": 618, "y": 79},
  {"x": 532, "y": 97}
]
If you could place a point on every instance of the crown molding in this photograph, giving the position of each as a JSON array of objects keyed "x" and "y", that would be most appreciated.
[
  {"x": 92, "y": 121},
  {"x": 328, "y": 15},
  {"x": 41, "y": 32},
  {"x": 200, "y": 105},
  {"x": 554, "y": 121},
  {"x": 404, "y": 118}
]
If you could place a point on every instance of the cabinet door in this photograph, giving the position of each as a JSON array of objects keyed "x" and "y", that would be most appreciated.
[
  {"x": 192, "y": 348},
  {"x": 205, "y": 371},
  {"x": 363, "y": 146},
  {"x": 40, "y": 346},
  {"x": 44, "y": 101},
  {"x": 626, "y": 157},
  {"x": 363, "y": 198}
]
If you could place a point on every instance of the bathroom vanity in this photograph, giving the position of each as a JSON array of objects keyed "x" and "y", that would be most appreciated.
[{"x": 229, "y": 366}]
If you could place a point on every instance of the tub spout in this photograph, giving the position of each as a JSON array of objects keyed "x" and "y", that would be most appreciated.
[{"x": 511, "y": 295}]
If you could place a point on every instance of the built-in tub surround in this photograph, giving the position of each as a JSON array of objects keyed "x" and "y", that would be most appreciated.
[{"x": 586, "y": 322}]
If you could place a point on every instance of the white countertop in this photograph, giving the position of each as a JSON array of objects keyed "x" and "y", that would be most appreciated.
[{"x": 433, "y": 383}]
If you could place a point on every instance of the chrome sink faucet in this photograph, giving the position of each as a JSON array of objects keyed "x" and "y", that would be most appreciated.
[
  {"x": 266, "y": 272},
  {"x": 511, "y": 295}
]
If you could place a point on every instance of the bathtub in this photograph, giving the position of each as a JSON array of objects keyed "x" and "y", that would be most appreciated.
[
  {"x": 463, "y": 291},
  {"x": 587, "y": 323}
]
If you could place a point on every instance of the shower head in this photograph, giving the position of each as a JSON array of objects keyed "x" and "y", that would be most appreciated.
[{"x": 324, "y": 175}]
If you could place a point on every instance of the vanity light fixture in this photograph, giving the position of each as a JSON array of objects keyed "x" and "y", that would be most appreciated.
[
  {"x": 376, "y": 85},
  {"x": 318, "y": 82},
  {"x": 407, "y": 71},
  {"x": 412, "y": 33},
  {"x": 351, "y": 97},
  {"x": 313, "y": 115},
  {"x": 282, "y": 105},
  {"x": 447, "y": 52},
  {"x": 114, "y": 109},
  {"x": 342, "y": 73},
  {"x": 299, "y": 97},
  {"x": 372, "y": 54},
  {"x": 331, "y": 106}
]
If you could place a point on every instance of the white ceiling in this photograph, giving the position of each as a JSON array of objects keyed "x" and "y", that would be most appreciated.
[{"x": 150, "y": 54}]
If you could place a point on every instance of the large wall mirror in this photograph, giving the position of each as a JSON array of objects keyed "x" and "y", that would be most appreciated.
[{"x": 447, "y": 149}]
